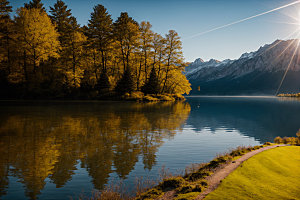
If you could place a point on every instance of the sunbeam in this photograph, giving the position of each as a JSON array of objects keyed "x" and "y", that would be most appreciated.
[
  {"x": 287, "y": 69},
  {"x": 285, "y": 49},
  {"x": 242, "y": 20},
  {"x": 271, "y": 47}
]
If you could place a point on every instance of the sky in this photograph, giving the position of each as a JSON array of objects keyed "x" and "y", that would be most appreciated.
[{"x": 191, "y": 17}]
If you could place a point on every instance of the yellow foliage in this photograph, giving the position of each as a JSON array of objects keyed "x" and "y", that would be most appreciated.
[{"x": 37, "y": 35}]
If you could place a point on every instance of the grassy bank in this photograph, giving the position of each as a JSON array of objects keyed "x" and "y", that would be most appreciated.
[
  {"x": 276, "y": 170},
  {"x": 272, "y": 174},
  {"x": 194, "y": 181}
]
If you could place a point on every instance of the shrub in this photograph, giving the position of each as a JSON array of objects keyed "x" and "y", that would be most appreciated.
[
  {"x": 178, "y": 97},
  {"x": 166, "y": 98},
  {"x": 149, "y": 98},
  {"x": 171, "y": 183},
  {"x": 185, "y": 189},
  {"x": 287, "y": 140},
  {"x": 204, "y": 183},
  {"x": 198, "y": 175},
  {"x": 278, "y": 140},
  {"x": 267, "y": 143},
  {"x": 298, "y": 134},
  {"x": 197, "y": 188},
  {"x": 150, "y": 194},
  {"x": 136, "y": 95}
]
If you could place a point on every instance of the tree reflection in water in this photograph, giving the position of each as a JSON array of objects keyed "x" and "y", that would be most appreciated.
[{"x": 48, "y": 140}]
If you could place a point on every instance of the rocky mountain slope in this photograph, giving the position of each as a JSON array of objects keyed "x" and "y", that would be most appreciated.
[{"x": 258, "y": 72}]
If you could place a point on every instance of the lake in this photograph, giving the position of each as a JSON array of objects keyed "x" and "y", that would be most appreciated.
[{"x": 59, "y": 150}]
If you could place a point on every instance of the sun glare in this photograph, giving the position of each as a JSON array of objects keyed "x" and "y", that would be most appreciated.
[{"x": 298, "y": 19}]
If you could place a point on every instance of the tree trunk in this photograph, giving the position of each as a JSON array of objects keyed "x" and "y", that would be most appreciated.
[{"x": 25, "y": 67}]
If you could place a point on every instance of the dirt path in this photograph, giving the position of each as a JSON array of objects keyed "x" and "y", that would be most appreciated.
[{"x": 215, "y": 179}]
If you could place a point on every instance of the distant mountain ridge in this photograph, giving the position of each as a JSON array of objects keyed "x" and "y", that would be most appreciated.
[{"x": 258, "y": 72}]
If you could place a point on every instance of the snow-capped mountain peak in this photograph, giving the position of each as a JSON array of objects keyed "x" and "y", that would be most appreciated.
[{"x": 270, "y": 60}]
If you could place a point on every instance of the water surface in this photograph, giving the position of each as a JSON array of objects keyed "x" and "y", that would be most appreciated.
[{"x": 58, "y": 150}]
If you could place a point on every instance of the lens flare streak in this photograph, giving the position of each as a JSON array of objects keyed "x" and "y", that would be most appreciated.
[
  {"x": 242, "y": 20},
  {"x": 288, "y": 67}
]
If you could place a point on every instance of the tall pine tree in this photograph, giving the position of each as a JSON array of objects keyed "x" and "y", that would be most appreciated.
[
  {"x": 126, "y": 33},
  {"x": 61, "y": 16},
  {"x": 100, "y": 32},
  {"x": 5, "y": 37},
  {"x": 72, "y": 41},
  {"x": 100, "y": 38},
  {"x": 35, "y": 4}
]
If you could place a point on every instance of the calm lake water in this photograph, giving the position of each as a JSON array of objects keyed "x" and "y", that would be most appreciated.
[{"x": 59, "y": 150}]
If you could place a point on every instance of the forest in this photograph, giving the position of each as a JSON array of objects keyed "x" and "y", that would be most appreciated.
[{"x": 49, "y": 55}]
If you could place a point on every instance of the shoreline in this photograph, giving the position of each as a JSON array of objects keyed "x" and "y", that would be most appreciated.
[
  {"x": 134, "y": 97},
  {"x": 194, "y": 182},
  {"x": 204, "y": 178}
]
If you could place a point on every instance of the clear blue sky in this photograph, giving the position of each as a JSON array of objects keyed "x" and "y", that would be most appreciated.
[{"x": 189, "y": 17}]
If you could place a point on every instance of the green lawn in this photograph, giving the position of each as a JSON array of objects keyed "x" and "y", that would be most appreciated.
[{"x": 272, "y": 174}]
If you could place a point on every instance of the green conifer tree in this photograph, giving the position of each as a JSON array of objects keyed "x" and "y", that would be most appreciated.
[
  {"x": 103, "y": 84},
  {"x": 100, "y": 32},
  {"x": 5, "y": 36},
  {"x": 152, "y": 85},
  {"x": 35, "y": 4},
  {"x": 61, "y": 16},
  {"x": 126, "y": 83}
]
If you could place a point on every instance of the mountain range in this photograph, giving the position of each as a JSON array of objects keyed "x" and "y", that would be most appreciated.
[{"x": 260, "y": 72}]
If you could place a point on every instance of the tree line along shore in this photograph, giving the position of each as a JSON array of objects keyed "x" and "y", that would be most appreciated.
[
  {"x": 289, "y": 95},
  {"x": 49, "y": 55}
]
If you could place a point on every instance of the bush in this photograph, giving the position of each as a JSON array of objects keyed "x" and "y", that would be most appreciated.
[
  {"x": 287, "y": 140},
  {"x": 185, "y": 189},
  {"x": 149, "y": 98},
  {"x": 166, "y": 98},
  {"x": 198, "y": 175},
  {"x": 151, "y": 194},
  {"x": 197, "y": 188},
  {"x": 171, "y": 183},
  {"x": 178, "y": 97},
  {"x": 298, "y": 134},
  {"x": 136, "y": 95},
  {"x": 267, "y": 143},
  {"x": 204, "y": 183},
  {"x": 278, "y": 140}
]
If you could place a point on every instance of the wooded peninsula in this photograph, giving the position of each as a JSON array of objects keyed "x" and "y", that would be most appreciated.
[{"x": 50, "y": 56}]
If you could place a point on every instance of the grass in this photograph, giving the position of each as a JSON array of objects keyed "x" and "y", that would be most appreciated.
[{"x": 272, "y": 174}]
